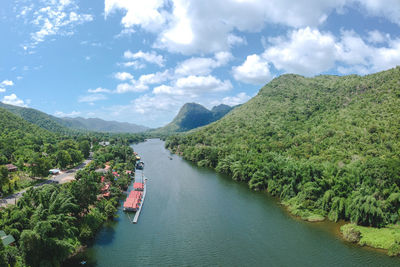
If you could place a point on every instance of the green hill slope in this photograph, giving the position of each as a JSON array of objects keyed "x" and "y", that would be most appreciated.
[
  {"x": 37, "y": 117},
  {"x": 193, "y": 115},
  {"x": 71, "y": 125},
  {"x": 99, "y": 125},
  {"x": 327, "y": 146}
]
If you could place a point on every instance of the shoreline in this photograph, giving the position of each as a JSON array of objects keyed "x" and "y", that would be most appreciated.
[{"x": 319, "y": 219}]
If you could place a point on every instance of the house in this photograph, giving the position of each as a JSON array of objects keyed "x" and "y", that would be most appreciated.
[
  {"x": 54, "y": 171},
  {"x": 6, "y": 239},
  {"x": 104, "y": 143},
  {"x": 11, "y": 168}
]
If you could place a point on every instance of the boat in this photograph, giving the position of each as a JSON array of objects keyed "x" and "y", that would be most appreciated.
[{"x": 140, "y": 165}]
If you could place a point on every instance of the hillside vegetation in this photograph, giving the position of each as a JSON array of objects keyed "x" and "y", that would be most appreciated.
[
  {"x": 37, "y": 117},
  {"x": 328, "y": 146},
  {"x": 193, "y": 115},
  {"x": 99, "y": 125},
  {"x": 71, "y": 125}
]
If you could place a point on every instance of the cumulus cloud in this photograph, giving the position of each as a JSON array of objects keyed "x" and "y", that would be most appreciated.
[
  {"x": 2, "y": 90},
  {"x": 201, "y": 65},
  {"x": 122, "y": 76},
  {"x": 150, "y": 57},
  {"x": 63, "y": 114},
  {"x": 91, "y": 98},
  {"x": 214, "y": 25},
  {"x": 254, "y": 70},
  {"x": 13, "y": 100},
  {"x": 309, "y": 52},
  {"x": 202, "y": 84},
  {"x": 305, "y": 51},
  {"x": 138, "y": 12}
]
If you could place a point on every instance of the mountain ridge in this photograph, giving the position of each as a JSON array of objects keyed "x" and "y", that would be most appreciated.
[
  {"x": 193, "y": 115},
  {"x": 66, "y": 125}
]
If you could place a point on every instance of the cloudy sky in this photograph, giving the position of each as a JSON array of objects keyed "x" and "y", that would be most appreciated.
[{"x": 139, "y": 61}]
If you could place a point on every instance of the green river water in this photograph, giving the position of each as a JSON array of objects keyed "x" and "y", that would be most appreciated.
[{"x": 195, "y": 217}]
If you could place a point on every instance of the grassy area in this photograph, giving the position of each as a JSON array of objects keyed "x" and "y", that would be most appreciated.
[
  {"x": 387, "y": 238},
  {"x": 305, "y": 214}
]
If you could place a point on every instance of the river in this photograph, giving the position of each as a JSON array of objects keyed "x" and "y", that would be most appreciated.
[{"x": 195, "y": 217}]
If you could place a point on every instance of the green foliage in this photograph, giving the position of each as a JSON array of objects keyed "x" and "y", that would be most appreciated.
[
  {"x": 387, "y": 238},
  {"x": 327, "y": 146}
]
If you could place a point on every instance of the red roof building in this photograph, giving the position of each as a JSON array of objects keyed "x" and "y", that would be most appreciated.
[{"x": 11, "y": 168}]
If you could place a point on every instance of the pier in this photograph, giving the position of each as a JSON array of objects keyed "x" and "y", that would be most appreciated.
[{"x": 137, "y": 214}]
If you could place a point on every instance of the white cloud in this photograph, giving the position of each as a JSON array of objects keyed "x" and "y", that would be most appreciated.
[
  {"x": 138, "y": 12},
  {"x": 7, "y": 83},
  {"x": 209, "y": 26},
  {"x": 201, "y": 65},
  {"x": 167, "y": 90},
  {"x": 151, "y": 57},
  {"x": 63, "y": 114},
  {"x": 254, "y": 70},
  {"x": 131, "y": 87},
  {"x": 134, "y": 64},
  {"x": 305, "y": 51},
  {"x": 377, "y": 37},
  {"x": 54, "y": 18},
  {"x": 154, "y": 78},
  {"x": 309, "y": 52},
  {"x": 202, "y": 84},
  {"x": 240, "y": 98},
  {"x": 2, "y": 90},
  {"x": 389, "y": 9},
  {"x": 123, "y": 76},
  {"x": 91, "y": 98},
  {"x": 13, "y": 100},
  {"x": 99, "y": 90}
]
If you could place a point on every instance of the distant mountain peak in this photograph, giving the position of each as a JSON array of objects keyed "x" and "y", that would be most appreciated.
[{"x": 193, "y": 115}]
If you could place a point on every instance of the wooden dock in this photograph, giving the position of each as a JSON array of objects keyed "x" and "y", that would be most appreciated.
[{"x": 135, "y": 219}]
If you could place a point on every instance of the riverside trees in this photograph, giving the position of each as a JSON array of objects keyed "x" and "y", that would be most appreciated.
[{"x": 326, "y": 146}]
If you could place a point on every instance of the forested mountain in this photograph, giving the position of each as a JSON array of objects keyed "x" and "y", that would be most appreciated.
[
  {"x": 193, "y": 115},
  {"x": 327, "y": 146},
  {"x": 35, "y": 149},
  {"x": 37, "y": 117},
  {"x": 66, "y": 125},
  {"x": 99, "y": 125}
]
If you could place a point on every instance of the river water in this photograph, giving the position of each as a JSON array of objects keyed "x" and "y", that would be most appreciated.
[{"x": 195, "y": 217}]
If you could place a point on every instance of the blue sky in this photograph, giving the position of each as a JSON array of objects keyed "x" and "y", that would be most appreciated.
[{"x": 140, "y": 61}]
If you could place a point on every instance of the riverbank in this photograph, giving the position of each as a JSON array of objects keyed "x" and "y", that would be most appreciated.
[
  {"x": 298, "y": 208},
  {"x": 197, "y": 217}
]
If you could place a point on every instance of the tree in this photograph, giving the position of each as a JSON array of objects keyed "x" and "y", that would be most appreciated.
[
  {"x": 3, "y": 177},
  {"x": 84, "y": 147},
  {"x": 63, "y": 158}
]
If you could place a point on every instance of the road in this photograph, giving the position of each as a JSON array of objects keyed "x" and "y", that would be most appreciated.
[{"x": 63, "y": 177}]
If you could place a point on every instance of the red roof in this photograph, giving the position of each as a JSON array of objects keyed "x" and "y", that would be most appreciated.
[
  {"x": 128, "y": 172},
  {"x": 102, "y": 179},
  {"x": 106, "y": 194},
  {"x": 138, "y": 186}
]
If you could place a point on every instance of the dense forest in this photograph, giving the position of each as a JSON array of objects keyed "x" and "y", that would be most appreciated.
[
  {"x": 35, "y": 150},
  {"x": 51, "y": 222},
  {"x": 327, "y": 146}
]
